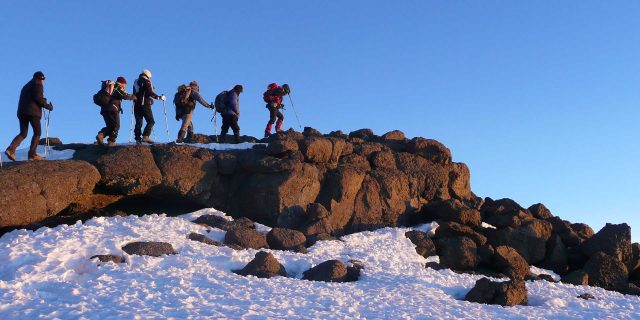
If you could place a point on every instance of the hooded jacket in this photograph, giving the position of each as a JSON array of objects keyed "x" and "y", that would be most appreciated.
[{"x": 31, "y": 100}]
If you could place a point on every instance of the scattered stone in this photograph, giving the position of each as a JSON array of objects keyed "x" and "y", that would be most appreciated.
[
  {"x": 458, "y": 253},
  {"x": 586, "y": 296},
  {"x": 213, "y": 221},
  {"x": 433, "y": 265},
  {"x": 508, "y": 261},
  {"x": 353, "y": 270},
  {"x": 509, "y": 293},
  {"x": 104, "y": 258},
  {"x": 149, "y": 248},
  {"x": 52, "y": 141},
  {"x": 246, "y": 238},
  {"x": 263, "y": 265},
  {"x": 576, "y": 277},
  {"x": 451, "y": 210},
  {"x": 454, "y": 229},
  {"x": 286, "y": 239},
  {"x": 328, "y": 271},
  {"x": 204, "y": 239}
]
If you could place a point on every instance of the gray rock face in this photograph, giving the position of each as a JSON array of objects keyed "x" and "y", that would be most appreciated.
[{"x": 33, "y": 191}]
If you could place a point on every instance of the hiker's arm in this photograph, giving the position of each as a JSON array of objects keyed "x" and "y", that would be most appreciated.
[{"x": 201, "y": 101}]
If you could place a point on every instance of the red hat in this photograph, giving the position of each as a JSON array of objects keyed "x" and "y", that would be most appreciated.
[
  {"x": 272, "y": 86},
  {"x": 121, "y": 80}
]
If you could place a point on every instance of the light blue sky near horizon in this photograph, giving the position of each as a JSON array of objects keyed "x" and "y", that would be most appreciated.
[{"x": 539, "y": 99}]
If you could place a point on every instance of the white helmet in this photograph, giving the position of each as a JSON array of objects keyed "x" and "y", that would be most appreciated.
[{"x": 147, "y": 73}]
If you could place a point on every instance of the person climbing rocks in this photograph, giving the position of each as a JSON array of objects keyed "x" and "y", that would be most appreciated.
[
  {"x": 30, "y": 107},
  {"x": 273, "y": 98},
  {"x": 143, "y": 90},
  {"x": 231, "y": 114},
  {"x": 111, "y": 111},
  {"x": 186, "y": 100}
]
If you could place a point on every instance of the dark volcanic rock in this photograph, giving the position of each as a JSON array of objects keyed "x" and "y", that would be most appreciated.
[
  {"x": 424, "y": 245},
  {"x": 328, "y": 271},
  {"x": 508, "y": 261},
  {"x": 246, "y": 238},
  {"x": 317, "y": 150},
  {"x": 52, "y": 141},
  {"x": 281, "y": 147},
  {"x": 509, "y": 293},
  {"x": 612, "y": 239},
  {"x": 263, "y": 265},
  {"x": 187, "y": 171},
  {"x": 539, "y": 211},
  {"x": 556, "y": 256},
  {"x": 451, "y": 210},
  {"x": 104, "y": 258},
  {"x": 129, "y": 170},
  {"x": 459, "y": 253},
  {"x": 286, "y": 239},
  {"x": 154, "y": 249},
  {"x": 432, "y": 150},
  {"x": 530, "y": 239},
  {"x": 364, "y": 134},
  {"x": 606, "y": 271},
  {"x": 453, "y": 229},
  {"x": 577, "y": 277},
  {"x": 204, "y": 239},
  {"x": 213, "y": 221},
  {"x": 311, "y": 240},
  {"x": 35, "y": 190},
  {"x": 586, "y": 296}
]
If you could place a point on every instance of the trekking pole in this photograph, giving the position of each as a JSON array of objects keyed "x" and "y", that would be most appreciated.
[
  {"x": 166, "y": 122},
  {"x": 294, "y": 111},
  {"x": 215, "y": 125},
  {"x": 133, "y": 104},
  {"x": 46, "y": 130}
]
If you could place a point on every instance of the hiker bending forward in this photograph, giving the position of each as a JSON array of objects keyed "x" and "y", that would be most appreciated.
[
  {"x": 187, "y": 102},
  {"x": 111, "y": 111}
]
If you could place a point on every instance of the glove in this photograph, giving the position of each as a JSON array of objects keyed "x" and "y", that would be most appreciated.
[
  {"x": 212, "y": 106},
  {"x": 281, "y": 106},
  {"x": 286, "y": 88},
  {"x": 49, "y": 106},
  {"x": 163, "y": 98},
  {"x": 121, "y": 111},
  {"x": 177, "y": 118}
]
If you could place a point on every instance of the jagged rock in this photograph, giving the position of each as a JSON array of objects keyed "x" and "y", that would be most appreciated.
[
  {"x": 226, "y": 163},
  {"x": 292, "y": 218},
  {"x": 144, "y": 248},
  {"x": 432, "y": 150},
  {"x": 458, "y": 253},
  {"x": 576, "y": 258},
  {"x": 586, "y": 296},
  {"x": 338, "y": 134},
  {"x": 311, "y": 132},
  {"x": 33, "y": 191},
  {"x": 366, "y": 149},
  {"x": 452, "y": 229},
  {"x": 311, "y": 240},
  {"x": 338, "y": 196},
  {"x": 353, "y": 271},
  {"x": 577, "y": 277},
  {"x": 328, "y": 271},
  {"x": 204, "y": 239},
  {"x": 539, "y": 211},
  {"x": 424, "y": 245},
  {"x": 556, "y": 256},
  {"x": 364, "y": 134},
  {"x": 129, "y": 171},
  {"x": 460, "y": 181},
  {"x": 612, "y": 239},
  {"x": 508, "y": 261},
  {"x": 263, "y": 265},
  {"x": 503, "y": 213},
  {"x": 355, "y": 161},
  {"x": 529, "y": 240},
  {"x": 563, "y": 228},
  {"x": 383, "y": 160},
  {"x": 246, "y": 238},
  {"x": 582, "y": 230},
  {"x": 606, "y": 271},
  {"x": 635, "y": 264},
  {"x": 434, "y": 266},
  {"x": 451, "y": 210},
  {"x": 257, "y": 161},
  {"x": 485, "y": 254},
  {"x": 52, "y": 141},
  {"x": 286, "y": 239},
  {"x": 241, "y": 223},
  {"x": 395, "y": 135},
  {"x": 104, "y": 258},
  {"x": 213, "y": 221},
  {"x": 280, "y": 147},
  {"x": 316, "y": 149},
  {"x": 508, "y": 293},
  {"x": 187, "y": 171}
]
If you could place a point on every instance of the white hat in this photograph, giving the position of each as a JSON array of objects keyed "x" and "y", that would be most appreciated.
[{"x": 147, "y": 73}]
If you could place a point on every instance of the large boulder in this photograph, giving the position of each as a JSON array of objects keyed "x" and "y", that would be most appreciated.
[
  {"x": 460, "y": 181},
  {"x": 613, "y": 240},
  {"x": 452, "y": 229},
  {"x": 149, "y": 248},
  {"x": 328, "y": 271},
  {"x": 508, "y": 293},
  {"x": 424, "y": 245},
  {"x": 606, "y": 271},
  {"x": 246, "y": 238},
  {"x": 281, "y": 147},
  {"x": 32, "y": 191},
  {"x": 338, "y": 196},
  {"x": 187, "y": 171},
  {"x": 508, "y": 261},
  {"x": 539, "y": 211},
  {"x": 316, "y": 149},
  {"x": 286, "y": 239},
  {"x": 458, "y": 253},
  {"x": 451, "y": 210},
  {"x": 576, "y": 277},
  {"x": 263, "y": 265},
  {"x": 529, "y": 240},
  {"x": 556, "y": 258},
  {"x": 431, "y": 150},
  {"x": 129, "y": 170}
]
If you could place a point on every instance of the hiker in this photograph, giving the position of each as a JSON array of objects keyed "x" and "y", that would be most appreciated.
[
  {"x": 185, "y": 102},
  {"x": 30, "y": 107},
  {"x": 273, "y": 98},
  {"x": 231, "y": 114},
  {"x": 143, "y": 90},
  {"x": 111, "y": 111}
]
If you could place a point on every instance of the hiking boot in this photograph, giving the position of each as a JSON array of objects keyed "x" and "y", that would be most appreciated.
[
  {"x": 99, "y": 138},
  {"x": 35, "y": 157},
  {"x": 147, "y": 140},
  {"x": 267, "y": 134},
  {"x": 10, "y": 154}
]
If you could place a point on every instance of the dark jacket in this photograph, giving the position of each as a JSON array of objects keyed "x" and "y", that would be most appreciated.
[
  {"x": 143, "y": 89},
  {"x": 32, "y": 100},
  {"x": 189, "y": 103},
  {"x": 232, "y": 105},
  {"x": 117, "y": 96}
]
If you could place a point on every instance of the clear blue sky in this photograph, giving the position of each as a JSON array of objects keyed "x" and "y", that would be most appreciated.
[{"x": 541, "y": 100}]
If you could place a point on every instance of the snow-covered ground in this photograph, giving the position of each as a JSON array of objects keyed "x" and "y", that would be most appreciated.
[{"x": 47, "y": 274}]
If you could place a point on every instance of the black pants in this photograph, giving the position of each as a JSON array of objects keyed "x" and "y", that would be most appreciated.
[
  {"x": 112, "y": 125},
  {"x": 141, "y": 112},
  {"x": 24, "y": 129},
  {"x": 230, "y": 121}
]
